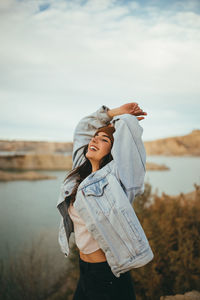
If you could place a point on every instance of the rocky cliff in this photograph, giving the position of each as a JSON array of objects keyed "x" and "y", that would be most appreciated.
[
  {"x": 35, "y": 146},
  {"x": 188, "y": 145},
  {"x": 36, "y": 162},
  {"x": 179, "y": 145},
  {"x": 34, "y": 155},
  {"x": 48, "y": 162},
  {"x": 29, "y": 175}
]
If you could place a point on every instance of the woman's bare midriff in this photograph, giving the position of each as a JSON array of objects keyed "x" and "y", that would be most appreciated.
[{"x": 96, "y": 256}]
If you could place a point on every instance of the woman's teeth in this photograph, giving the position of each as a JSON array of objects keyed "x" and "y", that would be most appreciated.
[{"x": 93, "y": 148}]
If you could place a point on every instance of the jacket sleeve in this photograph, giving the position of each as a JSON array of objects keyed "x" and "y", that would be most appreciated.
[
  {"x": 85, "y": 130},
  {"x": 129, "y": 154}
]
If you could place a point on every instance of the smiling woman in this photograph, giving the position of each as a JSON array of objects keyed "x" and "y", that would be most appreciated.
[
  {"x": 99, "y": 146},
  {"x": 96, "y": 203}
]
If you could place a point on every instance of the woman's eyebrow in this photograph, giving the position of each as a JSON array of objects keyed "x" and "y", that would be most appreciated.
[{"x": 103, "y": 135}]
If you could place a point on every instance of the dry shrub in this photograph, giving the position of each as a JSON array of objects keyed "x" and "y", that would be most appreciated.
[{"x": 172, "y": 225}]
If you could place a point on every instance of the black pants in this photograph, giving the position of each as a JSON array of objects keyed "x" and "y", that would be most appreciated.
[{"x": 97, "y": 282}]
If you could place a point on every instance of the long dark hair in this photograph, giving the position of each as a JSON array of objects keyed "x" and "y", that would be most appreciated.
[{"x": 82, "y": 171}]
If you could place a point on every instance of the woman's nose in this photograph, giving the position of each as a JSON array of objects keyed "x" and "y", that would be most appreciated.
[{"x": 94, "y": 139}]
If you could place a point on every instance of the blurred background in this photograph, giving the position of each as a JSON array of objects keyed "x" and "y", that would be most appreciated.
[{"x": 62, "y": 60}]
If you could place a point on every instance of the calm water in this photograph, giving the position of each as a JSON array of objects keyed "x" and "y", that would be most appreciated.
[
  {"x": 28, "y": 208},
  {"x": 183, "y": 173}
]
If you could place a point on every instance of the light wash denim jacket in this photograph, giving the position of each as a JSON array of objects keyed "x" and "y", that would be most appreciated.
[{"x": 104, "y": 198}]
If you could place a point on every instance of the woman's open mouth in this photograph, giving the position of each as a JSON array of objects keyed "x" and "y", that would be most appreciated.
[{"x": 93, "y": 148}]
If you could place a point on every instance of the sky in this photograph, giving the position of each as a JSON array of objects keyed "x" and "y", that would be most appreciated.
[{"x": 61, "y": 60}]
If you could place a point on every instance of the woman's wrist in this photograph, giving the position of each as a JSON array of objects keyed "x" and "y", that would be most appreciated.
[
  {"x": 113, "y": 112},
  {"x": 128, "y": 108}
]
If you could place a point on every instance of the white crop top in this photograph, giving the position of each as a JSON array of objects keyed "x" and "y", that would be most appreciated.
[{"x": 83, "y": 238}]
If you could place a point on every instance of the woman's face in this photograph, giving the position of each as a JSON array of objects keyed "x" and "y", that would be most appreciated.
[{"x": 99, "y": 146}]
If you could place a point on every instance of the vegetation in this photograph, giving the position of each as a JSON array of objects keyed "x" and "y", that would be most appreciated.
[
  {"x": 172, "y": 225},
  {"x": 36, "y": 273}
]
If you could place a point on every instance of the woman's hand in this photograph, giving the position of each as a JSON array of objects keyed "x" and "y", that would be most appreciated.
[{"x": 128, "y": 108}]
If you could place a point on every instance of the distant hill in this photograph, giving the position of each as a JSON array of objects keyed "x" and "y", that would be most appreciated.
[
  {"x": 35, "y": 155},
  {"x": 179, "y": 145},
  {"x": 186, "y": 145},
  {"x": 20, "y": 146}
]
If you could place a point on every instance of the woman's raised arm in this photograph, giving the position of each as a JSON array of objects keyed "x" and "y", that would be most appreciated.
[
  {"x": 128, "y": 108},
  {"x": 128, "y": 150},
  {"x": 85, "y": 130}
]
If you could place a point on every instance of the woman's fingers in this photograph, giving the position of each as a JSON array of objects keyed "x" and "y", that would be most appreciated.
[
  {"x": 140, "y": 118},
  {"x": 134, "y": 104},
  {"x": 141, "y": 112},
  {"x": 131, "y": 108}
]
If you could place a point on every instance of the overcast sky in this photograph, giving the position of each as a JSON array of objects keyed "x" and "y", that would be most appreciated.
[{"x": 61, "y": 60}]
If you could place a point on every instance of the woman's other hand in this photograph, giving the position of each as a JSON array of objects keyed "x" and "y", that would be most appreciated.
[{"x": 128, "y": 108}]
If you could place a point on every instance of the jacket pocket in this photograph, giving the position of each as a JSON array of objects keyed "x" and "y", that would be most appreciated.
[
  {"x": 96, "y": 188},
  {"x": 98, "y": 198}
]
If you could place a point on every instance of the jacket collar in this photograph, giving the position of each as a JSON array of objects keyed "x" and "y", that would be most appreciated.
[
  {"x": 68, "y": 185},
  {"x": 96, "y": 176}
]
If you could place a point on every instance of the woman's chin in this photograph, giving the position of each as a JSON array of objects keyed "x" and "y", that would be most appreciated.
[{"x": 90, "y": 155}]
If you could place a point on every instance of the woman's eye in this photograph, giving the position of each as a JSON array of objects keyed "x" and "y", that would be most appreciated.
[{"x": 105, "y": 140}]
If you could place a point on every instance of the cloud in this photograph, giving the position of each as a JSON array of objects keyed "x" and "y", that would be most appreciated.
[{"x": 63, "y": 59}]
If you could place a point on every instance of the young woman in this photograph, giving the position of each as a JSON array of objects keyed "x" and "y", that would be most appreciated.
[{"x": 96, "y": 202}]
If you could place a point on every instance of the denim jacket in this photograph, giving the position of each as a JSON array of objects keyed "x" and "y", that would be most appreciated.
[{"x": 104, "y": 198}]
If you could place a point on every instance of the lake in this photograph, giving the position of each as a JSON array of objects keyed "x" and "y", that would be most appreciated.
[
  {"x": 28, "y": 208},
  {"x": 183, "y": 173}
]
